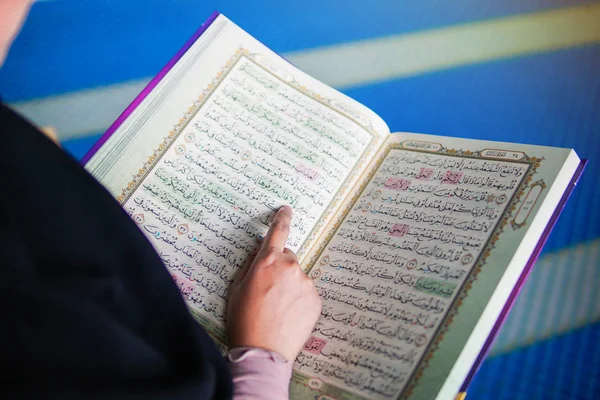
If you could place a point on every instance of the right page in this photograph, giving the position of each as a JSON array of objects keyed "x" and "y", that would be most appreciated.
[{"x": 419, "y": 262}]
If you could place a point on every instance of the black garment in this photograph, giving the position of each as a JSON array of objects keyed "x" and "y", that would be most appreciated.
[{"x": 87, "y": 308}]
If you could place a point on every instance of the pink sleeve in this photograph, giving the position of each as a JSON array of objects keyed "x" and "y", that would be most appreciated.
[{"x": 259, "y": 374}]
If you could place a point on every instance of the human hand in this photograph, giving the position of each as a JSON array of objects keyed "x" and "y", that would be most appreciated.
[{"x": 272, "y": 304}]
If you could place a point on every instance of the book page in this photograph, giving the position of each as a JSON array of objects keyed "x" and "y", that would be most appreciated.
[
  {"x": 406, "y": 252},
  {"x": 258, "y": 135}
]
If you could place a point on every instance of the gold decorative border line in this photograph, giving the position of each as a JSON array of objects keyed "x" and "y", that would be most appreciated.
[
  {"x": 533, "y": 163},
  {"x": 179, "y": 127}
]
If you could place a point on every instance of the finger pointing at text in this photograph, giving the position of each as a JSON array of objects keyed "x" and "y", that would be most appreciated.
[
  {"x": 273, "y": 304},
  {"x": 279, "y": 230}
]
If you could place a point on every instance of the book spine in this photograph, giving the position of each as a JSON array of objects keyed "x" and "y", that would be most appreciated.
[
  {"x": 523, "y": 277},
  {"x": 149, "y": 88}
]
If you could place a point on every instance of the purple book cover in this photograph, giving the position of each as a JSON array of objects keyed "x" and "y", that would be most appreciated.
[
  {"x": 149, "y": 88},
  {"x": 528, "y": 267},
  {"x": 534, "y": 256}
]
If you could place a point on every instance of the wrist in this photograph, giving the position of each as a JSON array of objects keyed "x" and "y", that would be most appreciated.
[
  {"x": 262, "y": 344},
  {"x": 239, "y": 353}
]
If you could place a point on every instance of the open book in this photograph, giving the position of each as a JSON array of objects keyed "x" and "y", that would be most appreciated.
[{"x": 417, "y": 244}]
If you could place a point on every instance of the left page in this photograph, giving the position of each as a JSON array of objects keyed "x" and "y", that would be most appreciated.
[{"x": 231, "y": 133}]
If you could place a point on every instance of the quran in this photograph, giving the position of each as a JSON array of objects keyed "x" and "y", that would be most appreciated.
[{"x": 417, "y": 244}]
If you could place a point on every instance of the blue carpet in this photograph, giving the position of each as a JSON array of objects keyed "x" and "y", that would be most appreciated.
[{"x": 564, "y": 367}]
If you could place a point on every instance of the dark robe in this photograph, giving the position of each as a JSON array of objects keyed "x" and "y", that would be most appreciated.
[{"x": 87, "y": 308}]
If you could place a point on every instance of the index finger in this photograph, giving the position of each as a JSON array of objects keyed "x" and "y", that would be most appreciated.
[{"x": 279, "y": 230}]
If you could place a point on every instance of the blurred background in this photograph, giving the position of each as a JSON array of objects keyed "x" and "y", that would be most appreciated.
[{"x": 510, "y": 70}]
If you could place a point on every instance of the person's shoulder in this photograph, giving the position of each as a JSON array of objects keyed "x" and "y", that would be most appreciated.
[{"x": 14, "y": 129}]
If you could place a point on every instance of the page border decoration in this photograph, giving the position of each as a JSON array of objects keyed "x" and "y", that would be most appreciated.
[
  {"x": 341, "y": 108},
  {"x": 437, "y": 148},
  {"x": 542, "y": 185}
]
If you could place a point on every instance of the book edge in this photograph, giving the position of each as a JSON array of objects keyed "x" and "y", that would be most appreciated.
[
  {"x": 149, "y": 88},
  {"x": 523, "y": 277}
]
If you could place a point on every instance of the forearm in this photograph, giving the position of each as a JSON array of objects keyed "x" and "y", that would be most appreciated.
[{"x": 259, "y": 374}]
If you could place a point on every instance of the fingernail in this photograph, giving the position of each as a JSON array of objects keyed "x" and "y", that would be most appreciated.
[
  {"x": 286, "y": 208},
  {"x": 260, "y": 237}
]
